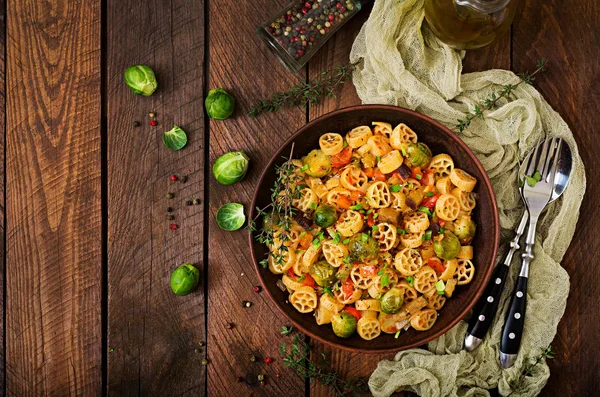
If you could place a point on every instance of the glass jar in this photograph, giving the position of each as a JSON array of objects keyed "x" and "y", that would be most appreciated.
[
  {"x": 469, "y": 24},
  {"x": 296, "y": 32}
]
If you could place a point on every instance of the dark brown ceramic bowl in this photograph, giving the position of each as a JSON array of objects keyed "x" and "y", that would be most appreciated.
[{"x": 441, "y": 140}]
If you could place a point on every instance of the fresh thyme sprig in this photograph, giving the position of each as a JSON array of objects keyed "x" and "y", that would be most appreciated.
[
  {"x": 297, "y": 356},
  {"x": 530, "y": 370},
  {"x": 313, "y": 92},
  {"x": 506, "y": 91},
  {"x": 279, "y": 213}
]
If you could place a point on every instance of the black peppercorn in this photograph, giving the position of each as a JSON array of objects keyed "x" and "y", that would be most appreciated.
[
  {"x": 197, "y": 202},
  {"x": 169, "y": 209},
  {"x": 136, "y": 123},
  {"x": 170, "y": 217},
  {"x": 170, "y": 195},
  {"x": 188, "y": 202}
]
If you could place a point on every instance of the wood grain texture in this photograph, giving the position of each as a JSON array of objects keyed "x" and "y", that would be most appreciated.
[
  {"x": 2, "y": 190},
  {"x": 242, "y": 64},
  {"x": 154, "y": 335},
  {"x": 53, "y": 244},
  {"x": 569, "y": 37}
]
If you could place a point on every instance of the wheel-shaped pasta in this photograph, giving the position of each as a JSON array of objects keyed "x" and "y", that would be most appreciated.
[
  {"x": 408, "y": 261},
  {"x": 385, "y": 234},
  {"x": 382, "y": 128},
  {"x": 450, "y": 286},
  {"x": 308, "y": 199},
  {"x": 444, "y": 185},
  {"x": 462, "y": 180},
  {"x": 317, "y": 186},
  {"x": 359, "y": 136},
  {"x": 353, "y": 178},
  {"x": 436, "y": 301},
  {"x": 450, "y": 267},
  {"x": 348, "y": 299},
  {"x": 336, "y": 195},
  {"x": 368, "y": 314},
  {"x": 304, "y": 299},
  {"x": 293, "y": 236},
  {"x": 281, "y": 261},
  {"x": 425, "y": 279},
  {"x": 465, "y": 272},
  {"x": 332, "y": 182},
  {"x": 441, "y": 165},
  {"x": 401, "y": 136},
  {"x": 379, "y": 145},
  {"x": 416, "y": 221},
  {"x": 368, "y": 328},
  {"x": 385, "y": 258},
  {"x": 349, "y": 223},
  {"x": 290, "y": 283},
  {"x": 382, "y": 283},
  {"x": 410, "y": 185},
  {"x": 311, "y": 255},
  {"x": 330, "y": 303},
  {"x": 334, "y": 253},
  {"x": 410, "y": 294},
  {"x": 399, "y": 202},
  {"x": 427, "y": 250},
  {"x": 466, "y": 200},
  {"x": 447, "y": 207},
  {"x": 359, "y": 280},
  {"x": 299, "y": 267},
  {"x": 465, "y": 252},
  {"x": 368, "y": 304},
  {"x": 412, "y": 240},
  {"x": 323, "y": 315},
  {"x": 331, "y": 143},
  {"x": 390, "y": 162},
  {"x": 379, "y": 195},
  {"x": 423, "y": 320}
]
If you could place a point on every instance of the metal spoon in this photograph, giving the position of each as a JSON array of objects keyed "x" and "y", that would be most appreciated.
[{"x": 486, "y": 307}]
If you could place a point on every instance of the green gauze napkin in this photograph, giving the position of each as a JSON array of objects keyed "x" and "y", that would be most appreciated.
[{"x": 402, "y": 63}]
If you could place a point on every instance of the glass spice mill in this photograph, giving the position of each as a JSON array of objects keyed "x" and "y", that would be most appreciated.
[{"x": 296, "y": 32}]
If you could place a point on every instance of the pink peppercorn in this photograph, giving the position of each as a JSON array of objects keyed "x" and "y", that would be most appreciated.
[
  {"x": 173, "y": 226},
  {"x": 174, "y": 178},
  {"x": 268, "y": 360},
  {"x": 153, "y": 123},
  {"x": 331, "y": 17},
  {"x": 257, "y": 289}
]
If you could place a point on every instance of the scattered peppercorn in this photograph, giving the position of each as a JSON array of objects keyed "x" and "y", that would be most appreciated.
[
  {"x": 246, "y": 304},
  {"x": 188, "y": 202},
  {"x": 174, "y": 178},
  {"x": 204, "y": 361},
  {"x": 152, "y": 115},
  {"x": 153, "y": 123},
  {"x": 196, "y": 350},
  {"x": 262, "y": 383},
  {"x": 261, "y": 377},
  {"x": 268, "y": 360},
  {"x": 170, "y": 195},
  {"x": 240, "y": 379},
  {"x": 252, "y": 359},
  {"x": 257, "y": 289},
  {"x": 184, "y": 179},
  {"x": 197, "y": 202},
  {"x": 170, "y": 217},
  {"x": 173, "y": 226},
  {"x": 136, "y": 123},
  {"x": 200, "y": 344},
  {"x": 169, "y": 209},
  {"x": 229, "y": 325}
]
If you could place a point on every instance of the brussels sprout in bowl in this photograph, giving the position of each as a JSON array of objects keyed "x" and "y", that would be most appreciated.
[{"x": 437, "y": 139}]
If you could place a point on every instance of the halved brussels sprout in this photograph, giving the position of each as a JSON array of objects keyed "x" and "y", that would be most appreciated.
[
  {"x": 325, "y": 215},
  {"x": 464, "y": 228},
  {"x": 392, "y": 301},
  {"x": 141, "y": 80},
  {"x": 446, "y": 245},
  {"x": 319, "y": 164},
  {"x": 363, "y": 247},
  {"x": 343, "y": 324},
  {"x": 231, "y": 167},
  {"x": 323, "y": 273},
  {"x": 418, "y": 154},
  {"x": 219, "y": 104},
  {"x": 231, "y": 216},
  {"x": 184, "y": 279}
]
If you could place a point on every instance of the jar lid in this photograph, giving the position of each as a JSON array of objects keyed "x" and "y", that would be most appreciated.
[{"x": 487, "y": 6}]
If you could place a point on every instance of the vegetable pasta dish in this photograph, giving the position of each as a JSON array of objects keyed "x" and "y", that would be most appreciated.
[{"x": 371, "y": 232}]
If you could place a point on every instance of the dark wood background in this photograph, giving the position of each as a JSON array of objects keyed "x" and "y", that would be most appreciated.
[{"x": 87, "y": 251}]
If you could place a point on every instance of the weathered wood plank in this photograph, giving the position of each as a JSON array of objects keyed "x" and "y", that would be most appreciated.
[
  {"x": 2, "y": 188},
  {"x": 569, "y": 37},
  {"x": 153, "y": 335},
  {"x": 53, "y": 244},
  {"x": 242, "y": 64}
]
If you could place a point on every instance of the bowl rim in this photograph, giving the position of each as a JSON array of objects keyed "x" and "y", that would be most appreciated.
[{"x": 486, "y": 182}]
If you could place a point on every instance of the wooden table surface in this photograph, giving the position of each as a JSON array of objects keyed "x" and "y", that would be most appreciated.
[{"x": 87, "y": 247}]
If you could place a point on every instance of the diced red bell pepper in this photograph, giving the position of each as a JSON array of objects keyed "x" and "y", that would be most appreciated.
[
  {"x": 353, "y": 311},
  {"x": 347, "y": 288},
  {"x": 291, "y": 274},
  {"x": 417, "y": 173},
  {"x": 429, "y": 202},
  {"x": 436, "y": 265},
  {"x": 342, "y": 158},
  {"x": 369, "y": 172},
  {"x": 378, "y": 175},
  {"x": 309, "y": 281},
  {"x": 428, "y": 178},
  {"x": 356, "y": 195},
  {"x": 344, "y": 202}
]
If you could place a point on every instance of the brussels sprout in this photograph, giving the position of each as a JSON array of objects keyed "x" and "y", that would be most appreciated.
[
  {"x": 219, "y": 104},
  {"x": 323, "y": 273},
  {"x": 319, "y": 164},
  {"x": 231, "y": 216},
  {"x": 392, "y": 301},
  {"x": 343, "y": 324},
  {"x": 174, "y": 139},
  {"x": 363, "y": 247},
  {"x": 184, "y": 279},
  {"x": 418, "y": 154},
  {"x": 325, "y": 215},
  {"x": 464, "y": 228},
  {"x": 230, "y": 167},
  {"x": 141, "y": 80},
  {"x": 446, "y": 245}
]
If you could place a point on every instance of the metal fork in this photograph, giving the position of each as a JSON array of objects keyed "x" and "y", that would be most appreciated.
[{"x": 545, "y": 161}]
